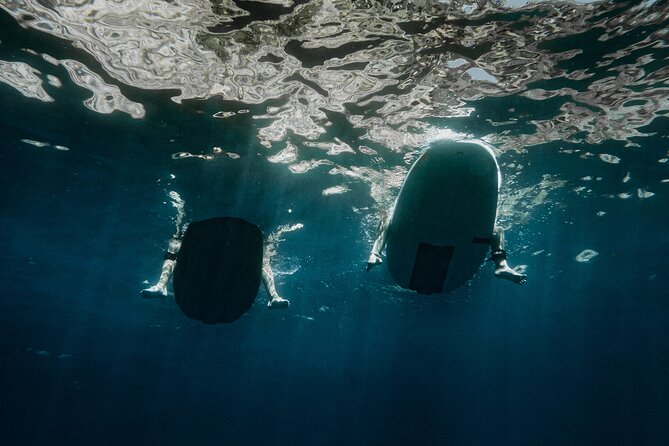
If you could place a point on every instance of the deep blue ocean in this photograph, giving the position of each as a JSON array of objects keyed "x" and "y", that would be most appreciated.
[{"x": 577, "y": 355}]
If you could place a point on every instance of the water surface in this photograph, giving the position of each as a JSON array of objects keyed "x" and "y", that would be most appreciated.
[{"x": 311, "y": 113}]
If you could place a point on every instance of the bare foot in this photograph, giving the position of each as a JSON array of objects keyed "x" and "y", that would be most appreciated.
[
  {"x": 278, "y": 302},
  {"x": 504, "y": 271},
  {"x": 154, "y": 291},
  {"x": 374, "y": 259}
]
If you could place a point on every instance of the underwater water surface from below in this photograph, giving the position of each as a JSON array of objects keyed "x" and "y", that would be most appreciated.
[{"x": 123, "y": 120}]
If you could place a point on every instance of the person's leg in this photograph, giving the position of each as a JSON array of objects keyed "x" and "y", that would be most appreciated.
[
  {"x": 170, "y": 260},
  {"x": 380, "y": 242},
  {"x": 160, "y": 288},
  {"x": 502, "y": 269},
  {"x": 271, "y": 244},
  {"x": 275, "y": 301}
]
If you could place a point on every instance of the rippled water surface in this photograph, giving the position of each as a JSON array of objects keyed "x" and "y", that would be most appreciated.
[{"x": 121, "y": 119}]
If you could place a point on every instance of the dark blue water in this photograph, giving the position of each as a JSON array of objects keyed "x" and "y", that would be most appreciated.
[{"x": 578, "y": 355}]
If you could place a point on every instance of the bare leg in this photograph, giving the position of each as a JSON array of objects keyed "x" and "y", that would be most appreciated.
[
  {"x": 380, "y": 242},
  {"x": 160, "y": 288},
  {"x": 275, "y": 301},
  {"x": 502, "y": 269}
]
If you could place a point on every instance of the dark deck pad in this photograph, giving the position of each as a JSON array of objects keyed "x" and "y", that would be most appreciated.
[
  {"x": 430, "y": 268},
  {"x": 218, "y": 269}
]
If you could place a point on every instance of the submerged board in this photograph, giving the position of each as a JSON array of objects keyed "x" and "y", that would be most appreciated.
[
  {"x": 218, "y": 269},
  {"x": 444, "y": 217}
]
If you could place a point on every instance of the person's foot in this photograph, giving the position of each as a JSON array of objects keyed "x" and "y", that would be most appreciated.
[
  {"x": 154, "y": 291},
  {"x": 506, "y": 272},
  {"x": 278, "y": 302},
  {"x": 374, "y": 259}
]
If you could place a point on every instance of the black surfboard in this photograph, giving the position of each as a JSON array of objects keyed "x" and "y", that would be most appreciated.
[{"x": 218, "y": 270}]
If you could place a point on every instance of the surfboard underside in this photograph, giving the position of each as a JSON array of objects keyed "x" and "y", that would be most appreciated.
[{"x": 444, "y": 218}]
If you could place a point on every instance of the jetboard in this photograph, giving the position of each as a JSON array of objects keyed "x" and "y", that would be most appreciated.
[
  {"x": 444, "y": 217},
  {"x": 218, "y": 269}
]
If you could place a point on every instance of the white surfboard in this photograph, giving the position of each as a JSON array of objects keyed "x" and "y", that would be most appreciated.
[{"x": 444, "y": 217}]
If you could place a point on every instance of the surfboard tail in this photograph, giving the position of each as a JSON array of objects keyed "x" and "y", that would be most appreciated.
[
  {"x": 218, "y": 270},
  {"x": 430, "y": 268}
]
